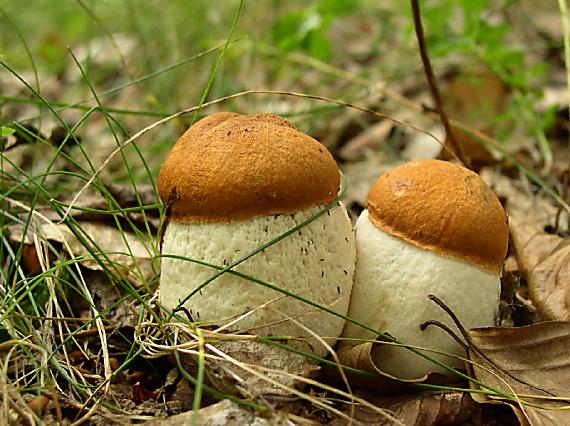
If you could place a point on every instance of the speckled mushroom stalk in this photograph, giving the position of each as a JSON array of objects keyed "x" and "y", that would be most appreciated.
[
  {"x": 236, "y": 182},
  {"x": 430, "y": 227}
]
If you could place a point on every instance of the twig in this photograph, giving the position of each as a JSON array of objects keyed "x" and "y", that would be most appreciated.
[
  {"x": 473, "y": 348},
  {"x": 565, "y": 178},
  {"x": 433, "y": 84},
  {"x": 566, "y": 26},
  {"x": 447, "y": 329}
]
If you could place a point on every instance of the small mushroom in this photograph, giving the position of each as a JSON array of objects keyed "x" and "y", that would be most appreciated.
[
  {"x": 233, "y": 183},
  {"x": 429, "y": 227}
]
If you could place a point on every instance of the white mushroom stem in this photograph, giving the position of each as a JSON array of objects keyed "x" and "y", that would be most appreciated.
[
  {"x": 392, "y": 282},
  {"x": 317, "y": 263}
]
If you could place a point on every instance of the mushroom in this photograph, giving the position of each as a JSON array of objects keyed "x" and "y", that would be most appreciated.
[
  {"x": 429, "y": 227},
  {"x": 234, "y": 183}
]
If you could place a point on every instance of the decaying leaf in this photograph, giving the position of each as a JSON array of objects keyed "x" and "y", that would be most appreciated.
[
  {"x": 366, "y": 142},
  {"x": 123, "y": 251},
  {"x": 362, "y": 174},
  {"x": 227, "y": 413},
  {"x": 531, "y": 362},
  {"x": 361, "y": 357},
  {"x": 475, "y": 98},
  {"x": 124, "y": 196},
  {"x": 105, "y": 294},
  {"x": 230, "y": 378},
  {"x": 427, "y": 409},
  {"x": 549, "y": 282},
  {"x": 543, "y": 258}
]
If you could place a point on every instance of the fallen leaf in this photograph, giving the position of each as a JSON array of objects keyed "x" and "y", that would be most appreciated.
[
  {"x": 231, "y": 379},
  {"x": 543, "y": 258},
  {"x": 369, "y": 140},
  {"x": 361, "y": 175},
  {"x": 127, "y": 253},
  {"x": 125, "y": 196},
  {"x": 427, "y": 409},
  {"x": 182, "y": 396},
  {"x": 226, "y": 413},
  {"x": 549, "y": 281},
  {"x": 361, "y": 357},
  {"x": 39, "y": 404},
  {"x": 475, "y": 98},
  {"x": 532, "y": 362}
]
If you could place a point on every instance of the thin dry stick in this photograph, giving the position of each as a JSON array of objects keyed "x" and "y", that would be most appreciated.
[
  {"x": 474, "y": 348},
  {"x": 433, "y": 84},
  {"x": 566, "y": 26}
]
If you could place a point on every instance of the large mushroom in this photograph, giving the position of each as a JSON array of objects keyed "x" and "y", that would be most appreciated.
[
  {"x": 430, "y": 227},
  {"x": 233, "y": 183}
]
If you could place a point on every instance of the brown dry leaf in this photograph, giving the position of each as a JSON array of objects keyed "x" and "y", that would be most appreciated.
[
  {"x": 475, "y": 98},
  {"x": 543, "y": 258},
  {"x": 361, "y": 175},
  {"x": 105, "y": 294},
  {"x": 427, "y": 409},
  {"x": 531, "y": 362},
  {"x": 366, "y": 142},
  {"x": 549, "y": 280},
  {"x": 129, "y": 254},
  {"x": 226, "y": 413},
  {"x": 360, "y": 357},
  {"x": 231, "y": 379},
  {"x": 124, "y": 195},
  {"x": 545, "y": 261}
]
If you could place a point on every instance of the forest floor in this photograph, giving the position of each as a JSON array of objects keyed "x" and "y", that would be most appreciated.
[{"x": 92, "y": 97}]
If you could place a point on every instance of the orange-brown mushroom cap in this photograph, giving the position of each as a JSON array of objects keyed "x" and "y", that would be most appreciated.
[
  {"x": 230, "y": 167},
  {"x": 442, "y": 207}
]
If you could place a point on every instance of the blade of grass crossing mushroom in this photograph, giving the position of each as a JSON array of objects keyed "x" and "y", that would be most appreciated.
[{"x": 265, "y": 246}]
